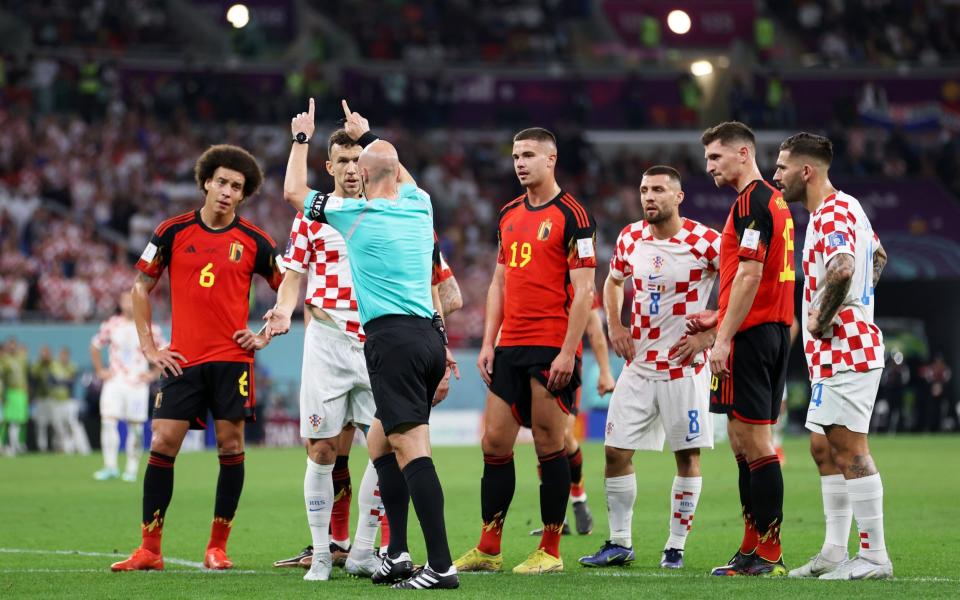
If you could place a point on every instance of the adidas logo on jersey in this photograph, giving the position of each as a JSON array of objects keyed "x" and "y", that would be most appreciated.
[{"x": 190, "y": 249}]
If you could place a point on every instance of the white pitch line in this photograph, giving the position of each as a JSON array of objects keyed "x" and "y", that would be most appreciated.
[{"x": 707, "y": 576}]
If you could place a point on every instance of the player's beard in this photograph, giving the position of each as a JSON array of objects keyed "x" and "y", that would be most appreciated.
[
  {"x": 794, "y": 192},
  {"x": 661, "y": 216}
]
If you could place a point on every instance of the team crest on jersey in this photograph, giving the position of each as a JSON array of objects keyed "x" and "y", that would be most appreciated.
[
  {"x": 543, "y": 232},
  {"x": 657, "y": 263},
  {"x": 158, "y": 400},
  {"x": 609, "y": 427},
  {"x": 236, "y": 251},
  {"x": 314, "y": 421}
]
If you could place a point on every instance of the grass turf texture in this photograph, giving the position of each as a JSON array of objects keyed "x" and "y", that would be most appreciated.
[{"x": 51, "y": 503}]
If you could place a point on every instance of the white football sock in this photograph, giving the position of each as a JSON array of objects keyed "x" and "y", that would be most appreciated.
[
  {"x": 621, "y": 494},
  {"x": 109, "y": 443},
  {"x": 866, "y": 498},
  {"x": 684, "y": 496},
  {"x": 838, "y": 515},
  {"x": 134, "y": 446},
  {"x": 370, "y": 508},
  {"x": 318, "y": 495}
]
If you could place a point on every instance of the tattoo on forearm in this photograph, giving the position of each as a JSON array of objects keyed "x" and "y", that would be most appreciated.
[
  {"x": 861, "y": 466},
  {"x": 146, "y": 280},
  {"x": 879, "y": 262},
  {"x": 450, "y": 298},
  {"x": 839, "y": 277}
]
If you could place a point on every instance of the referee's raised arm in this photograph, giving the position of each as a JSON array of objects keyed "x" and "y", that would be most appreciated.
[
  {"x": 295, "y": 187},
  {"x": 358, "y": 128}
]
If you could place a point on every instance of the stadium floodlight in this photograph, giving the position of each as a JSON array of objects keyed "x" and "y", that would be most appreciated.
[
  {"x": 701, "y": 68},
  {"x": 238, "y": 15},
  {"x": 678, "y": 21}
]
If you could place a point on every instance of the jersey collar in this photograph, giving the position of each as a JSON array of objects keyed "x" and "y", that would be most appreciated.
[
  {"x": 205, "y": 227},
  {"x": 526, "y": 201}
]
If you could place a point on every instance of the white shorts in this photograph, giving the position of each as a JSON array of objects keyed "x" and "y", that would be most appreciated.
[
  {"x": 124, "y": 401},
  {"x": 643, "y": 412},
  {"x": 334, "y": 384},
  {"x": 845, "y": 399}
]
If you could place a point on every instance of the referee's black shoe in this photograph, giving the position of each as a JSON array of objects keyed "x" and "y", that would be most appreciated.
[
  {"x": 393, "y": 570},
  {"x": 426, "y": 578}
]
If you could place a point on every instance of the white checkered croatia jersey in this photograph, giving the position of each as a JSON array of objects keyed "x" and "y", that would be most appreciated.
[
  {"x": 320, "y": 251},
  {"x": 840, "y": 226},
  {"x": 671, "y": 279},
  {"x": 127, "y": 362}
]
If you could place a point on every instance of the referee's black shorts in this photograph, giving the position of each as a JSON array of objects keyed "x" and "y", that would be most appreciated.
[
  {"x": 753, "y": 391},
  {"x": 406, "y": 360}
]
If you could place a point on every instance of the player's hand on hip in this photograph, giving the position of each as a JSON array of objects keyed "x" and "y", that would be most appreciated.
[
  {"x": 622, "y": 342},
  {"x": 817, "y": 329},
  {"x": 685, "y": 350},
  {"x": 443, "y": 389},
  {"x": 104, "y": 375},
  {"x": 561, "y": 370},
  {"x": 278, "y": 322},
  {"x": 718, "y": 358},
  {"x": 166, "y": 360},
  {"x": 702, "y": 321},
  {"x": 250, "y": 341},
  {"x": 303, "y": 122},
  {"x": 605, "y": 383},
  {"x": 354, "y": 123},
  {"x": 485, "y": 364}
]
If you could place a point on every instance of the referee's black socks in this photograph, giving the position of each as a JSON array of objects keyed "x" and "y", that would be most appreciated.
[
  {"x": 396, "y": 501},
  {"x": 427, "y": 496}
]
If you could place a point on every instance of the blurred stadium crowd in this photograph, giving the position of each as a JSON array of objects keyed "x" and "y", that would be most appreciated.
[{"x": 96, "y": 149}]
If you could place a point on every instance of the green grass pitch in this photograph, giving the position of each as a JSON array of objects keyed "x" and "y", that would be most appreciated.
[{"x": 60, "y": 530}]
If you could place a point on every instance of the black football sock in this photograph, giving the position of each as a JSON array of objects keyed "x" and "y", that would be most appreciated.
[
  {"x": 427, "y": 496},
  {"x": 396, "y": 501},
  {"x": 496, "y": 493}
]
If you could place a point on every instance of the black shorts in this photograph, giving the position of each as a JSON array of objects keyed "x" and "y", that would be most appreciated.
[
  {"x": 753, "y": 391},
  {"x": 513, "y": 366},
  {"x": 224, "y": 389},
  {"x": 406, "y": 360}
]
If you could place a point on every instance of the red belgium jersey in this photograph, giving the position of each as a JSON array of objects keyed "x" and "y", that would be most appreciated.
[
  {"x": 539, "y": 246},
  {"x": 760, "y": 228},
  {"x": 210, "y": 276}
]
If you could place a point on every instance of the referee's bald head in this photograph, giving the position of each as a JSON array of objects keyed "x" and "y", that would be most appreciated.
[{"x": 379, "y": 162}]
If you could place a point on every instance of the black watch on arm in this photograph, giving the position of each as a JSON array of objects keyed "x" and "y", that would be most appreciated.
[{"x": 301, "y": 138}]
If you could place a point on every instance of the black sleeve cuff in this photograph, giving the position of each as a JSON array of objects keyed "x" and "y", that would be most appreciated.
[{"x": 366, "y": 139}]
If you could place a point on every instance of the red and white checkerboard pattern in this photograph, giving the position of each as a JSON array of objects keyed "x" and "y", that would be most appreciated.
[
  {"x": 855, "y": 343},
  {"x": 126, "y": 360},
  {"x": 320, "y": 251},
  {"x": 672, "y": 278}
]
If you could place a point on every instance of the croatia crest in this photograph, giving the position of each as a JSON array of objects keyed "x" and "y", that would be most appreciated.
[{"x": 314, "y": 421}]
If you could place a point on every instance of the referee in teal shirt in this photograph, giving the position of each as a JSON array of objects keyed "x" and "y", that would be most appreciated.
[{"x": 390, "y": 242}]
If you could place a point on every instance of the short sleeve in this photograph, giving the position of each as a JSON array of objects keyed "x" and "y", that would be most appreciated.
[
  {"x": 441, "y": 270},
  {"x": 156, "y": 256},
  {"x": 580, "y": 237},
  {"x": 269, "y": 263},
  {"x": 753, "y": 223},
  {"x": 339, "y": 213},
  {"x": 620, "y": 267},
  {"x": 836, "y": 232},
  {"x": 102, "y": 337},
  {"x": 299, "y": 251}
]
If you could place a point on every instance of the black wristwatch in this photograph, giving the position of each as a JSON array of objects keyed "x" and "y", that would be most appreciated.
[{"x": 301, "y": 138}]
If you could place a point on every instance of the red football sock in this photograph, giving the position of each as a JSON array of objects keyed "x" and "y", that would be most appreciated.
[
  {"x": 550, "y": 539},
  {"x": 219, "y": 532}
]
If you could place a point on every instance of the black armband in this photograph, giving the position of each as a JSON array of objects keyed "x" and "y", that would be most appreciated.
[
  {"x": 317, "y": 206},
  {"x": 366, "y": 139}
]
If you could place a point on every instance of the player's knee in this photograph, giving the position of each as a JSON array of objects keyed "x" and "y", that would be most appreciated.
[
  {"x": 495, "y": 445},
  {"x": 164, "y": 443},
  {"x": 230, "y": 445},
  {"x": 617, "y": 459},
  {"x": 820, "y": 451},
  {"x": 323, "y": 452},
  {"x": 688, "y": 463}
]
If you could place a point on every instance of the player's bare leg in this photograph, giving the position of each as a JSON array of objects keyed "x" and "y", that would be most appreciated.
[
  {"x": 548, "y": 427},
  {"x": 165, "y": 444},
  {"x": 620, "y": 487},
  {"x": 578, "y": 493},
  {"x": 229, "y": 487},
  {"x": 836, "y": 511},
  {"x": 497, "y": 486},
  {"x": 684, "y": 497},
  {"x": 851, "y": 453},
  {"x": 318, "y": 495}
]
